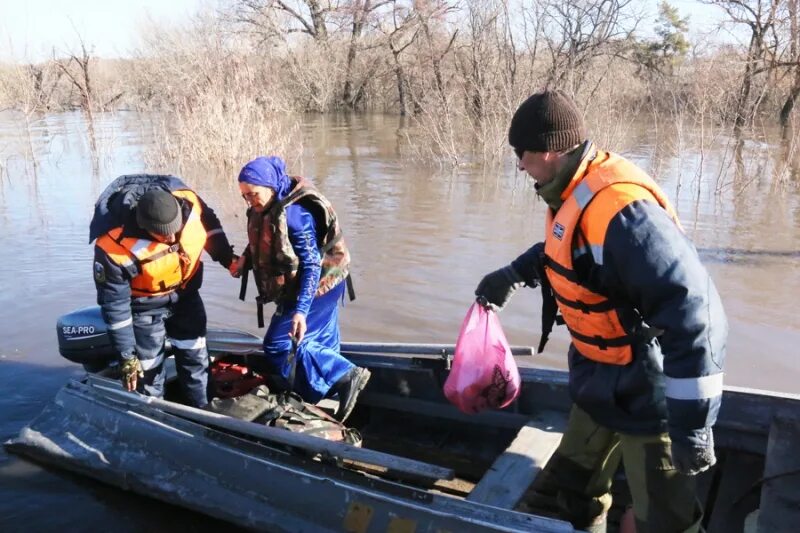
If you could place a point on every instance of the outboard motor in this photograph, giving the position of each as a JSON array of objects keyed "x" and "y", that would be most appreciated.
[{"x": 83, "y": 338}]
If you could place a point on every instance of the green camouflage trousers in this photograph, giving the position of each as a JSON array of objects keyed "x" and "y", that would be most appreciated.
[{"x": 583, "y": 467}]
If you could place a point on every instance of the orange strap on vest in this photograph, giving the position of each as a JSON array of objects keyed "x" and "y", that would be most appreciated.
[{"x": 609, "y": 183}]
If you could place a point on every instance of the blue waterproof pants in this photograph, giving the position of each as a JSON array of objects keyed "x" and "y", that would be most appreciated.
[
  {"x": 184, "y": 322},
  {"x": 319, "y": 363}
]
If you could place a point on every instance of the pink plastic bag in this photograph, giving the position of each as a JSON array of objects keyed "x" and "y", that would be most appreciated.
[{"x": 484, "y": 374}]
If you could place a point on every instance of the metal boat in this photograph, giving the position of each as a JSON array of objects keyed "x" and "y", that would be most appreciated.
[{"x": 423, "y": 466}]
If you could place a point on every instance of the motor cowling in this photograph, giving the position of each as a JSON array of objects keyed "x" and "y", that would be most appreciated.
[{"x": 83, "y": 338}]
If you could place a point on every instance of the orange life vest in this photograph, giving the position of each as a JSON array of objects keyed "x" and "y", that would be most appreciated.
[
  {"x": 591, "y": 317},
  {"x": 159, "y": 268}
]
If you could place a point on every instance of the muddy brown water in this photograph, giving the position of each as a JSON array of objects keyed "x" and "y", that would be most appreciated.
[{"x": 421, "y": 239}]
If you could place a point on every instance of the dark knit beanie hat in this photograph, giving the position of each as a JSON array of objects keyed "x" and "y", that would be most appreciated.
[
  {"x": 546, "y": 122},
  {"x": 158, "y": 212}
]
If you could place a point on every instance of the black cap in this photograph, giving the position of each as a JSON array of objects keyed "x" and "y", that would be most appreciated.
[
  {"x": 158, "y": 212},
  {"x": 548, "y": 121}
]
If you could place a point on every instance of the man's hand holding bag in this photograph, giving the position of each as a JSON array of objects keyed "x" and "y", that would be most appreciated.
[{"x": 484, "y": 374}]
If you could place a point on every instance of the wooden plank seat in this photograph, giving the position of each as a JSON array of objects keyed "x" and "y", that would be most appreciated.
[{"x": 514, "y": 470}]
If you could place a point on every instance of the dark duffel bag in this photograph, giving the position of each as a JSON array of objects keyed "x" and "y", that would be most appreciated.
[{"x": 285, "y": 410}]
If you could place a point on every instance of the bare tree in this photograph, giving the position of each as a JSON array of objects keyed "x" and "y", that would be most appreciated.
[
  {"x": 400, "y": 33},
  {"x": 479, "y": 56},
  {"x": 18, "y": 90},
  {"x": 45, "y": 81},
  {"x": 305, "y": 16},
  {"x": 439, "y": 42},
  {"x": 509, "y": 55},
  {"x": 760, "y": 17},
  {"x": 532, "y": 27},
  {"x": 78, "y": 70},
  {"x": 358, "y": 12},
  {"x": 794, "y": 57},
  {"x": 578, "y": 31},
  {"x": 209, "y": 101}
]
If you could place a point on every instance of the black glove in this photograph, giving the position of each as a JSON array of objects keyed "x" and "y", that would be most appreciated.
[
  {"x": 692, "y": 450},
  {"x": 496, "y": 288},
  {"x": 530, "y": 265}
]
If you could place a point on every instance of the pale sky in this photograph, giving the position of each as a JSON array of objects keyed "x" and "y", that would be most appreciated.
[
  {"x": 29, "y": 29},
  {"x": 702, "y": 17}
]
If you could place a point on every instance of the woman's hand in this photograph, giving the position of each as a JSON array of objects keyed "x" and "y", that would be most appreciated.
[
  {"x": 237, "y": 265},
  {"x": 298, "y": 328}
]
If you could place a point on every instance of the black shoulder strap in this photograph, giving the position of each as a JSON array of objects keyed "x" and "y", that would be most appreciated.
[
  {"x": 292, "y": 360},
  {"x": 550, "y": 314},
  {"x": 351, "y": 293},
  {"x": 248, "y": 265},
  {"x": 260, "y": 312},
  {"x": 243, "y": 286}
]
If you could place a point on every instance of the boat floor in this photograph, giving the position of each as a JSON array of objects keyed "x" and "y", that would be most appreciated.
[{"x": 729, "y": 492}]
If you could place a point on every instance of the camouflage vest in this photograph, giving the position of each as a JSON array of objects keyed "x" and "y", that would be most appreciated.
[{"x": 273, "y": 260}]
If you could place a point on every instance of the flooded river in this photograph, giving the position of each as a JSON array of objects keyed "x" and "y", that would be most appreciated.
[{"x": 421, "y": 239}]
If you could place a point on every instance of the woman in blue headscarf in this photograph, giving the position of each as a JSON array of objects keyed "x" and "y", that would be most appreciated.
[{"x": 300, "y": 263}]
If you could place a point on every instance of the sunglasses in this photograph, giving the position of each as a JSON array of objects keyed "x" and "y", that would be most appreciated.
[{"x": 520, "y": 152}]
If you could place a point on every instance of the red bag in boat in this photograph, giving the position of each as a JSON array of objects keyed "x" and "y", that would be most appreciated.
[
  {"x": 484, "y": 374},
  {"x": 230, "y": 380}
]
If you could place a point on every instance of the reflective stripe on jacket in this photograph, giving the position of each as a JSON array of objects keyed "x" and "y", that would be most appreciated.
[
  {"x": 592, "y": 318},
  {"x": 274, "y": 262},
  {"x": 158, "y": 268}
]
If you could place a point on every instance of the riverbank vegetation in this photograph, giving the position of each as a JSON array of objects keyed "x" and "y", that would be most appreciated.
[{"x": 232, "y": 82}]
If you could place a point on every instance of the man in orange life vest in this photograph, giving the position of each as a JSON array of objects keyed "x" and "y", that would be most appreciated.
[
  {"x": 647, "y": 327},
  {"x": 151, "y": 231}
]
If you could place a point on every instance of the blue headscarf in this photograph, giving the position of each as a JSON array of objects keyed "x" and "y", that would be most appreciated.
[{"x": 267, "y": 172}]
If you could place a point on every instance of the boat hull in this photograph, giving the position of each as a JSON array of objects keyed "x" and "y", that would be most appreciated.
[
  {"x": 94, "y": 428},
  {"x": 165, "y": 457}
]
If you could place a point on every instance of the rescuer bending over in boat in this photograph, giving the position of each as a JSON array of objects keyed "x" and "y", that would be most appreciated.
[
  {"x": 300, "y": 262},
  {"x": 151, "y": 231},
  {"x": 647, "y": 327}
]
